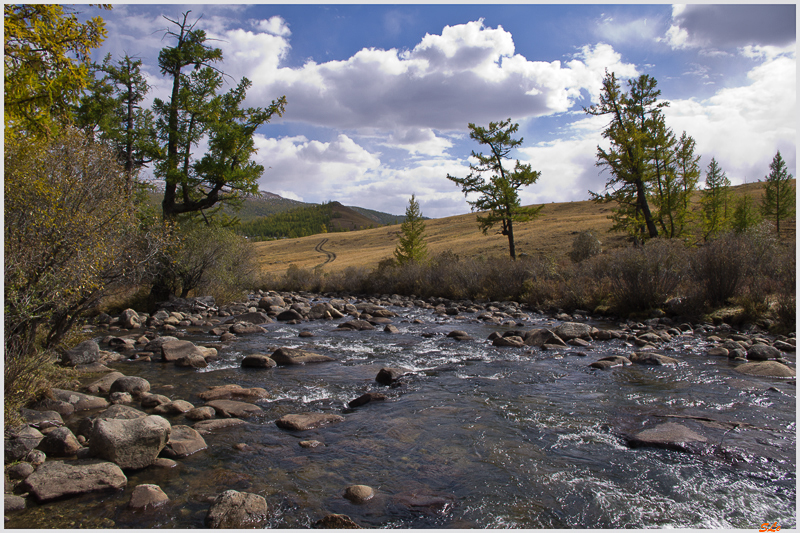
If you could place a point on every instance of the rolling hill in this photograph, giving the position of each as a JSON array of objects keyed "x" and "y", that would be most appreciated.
[{"x": 549, "y": 235}]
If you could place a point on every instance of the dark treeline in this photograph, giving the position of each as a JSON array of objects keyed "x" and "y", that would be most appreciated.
[{"x": 298, "y": 222}]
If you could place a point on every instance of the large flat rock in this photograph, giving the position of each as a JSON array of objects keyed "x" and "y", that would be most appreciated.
[
  {"x": 234, "y": 409},
  {"x": 293, "y": 356},
  {"x": 57, "y": 479},
  {"x": 305, "y": 421}
]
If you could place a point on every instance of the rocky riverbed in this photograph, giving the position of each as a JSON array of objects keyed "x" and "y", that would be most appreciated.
[{"x": 296, "y": 410}]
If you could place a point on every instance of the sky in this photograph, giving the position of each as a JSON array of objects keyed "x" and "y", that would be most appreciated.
[{"x": 380, "y": 96}]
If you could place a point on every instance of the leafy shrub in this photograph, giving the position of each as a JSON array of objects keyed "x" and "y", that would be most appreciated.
[
  {"x": 584, "y": 246},
  {"x": 644, "y": 277},
  {"x": 207, "y": 259},
  {"x": 71, "y": 237}
]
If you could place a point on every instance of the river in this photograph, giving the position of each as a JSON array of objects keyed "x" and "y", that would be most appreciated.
[{"x": 476, "y": 437}]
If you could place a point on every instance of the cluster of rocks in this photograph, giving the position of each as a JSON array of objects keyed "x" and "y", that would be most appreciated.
[{"x": 122, "y": 437}]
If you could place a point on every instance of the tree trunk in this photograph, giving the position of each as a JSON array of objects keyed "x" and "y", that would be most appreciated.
[
  {"x": 510, "y": 232},
  {"x": 641, "y": 197}
]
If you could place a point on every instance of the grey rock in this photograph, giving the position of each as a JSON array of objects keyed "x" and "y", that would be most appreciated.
[
  {"x": 173, "y": 350},
  {"x": 336, "y": 521},
  {"x": 762, "y": 352},
  {"x": 258, "y": 361},
  {"x": 293, "y": 356},
  {"x": 366, "y": 398},
  {"x": 205, "y": 427},
  {"x": 20, "y": 471},
  {"x": 19, "y": 441},
  {"x": 84, "y": 353},
  {"x": 13, "y": 503},
  {"x": 183, "y": 441},
  {"x": 653, "y": 359},
  {"x": 235, "y": 510},
  {"x": 234, "y": 409},
  {"x": 770, "y": 369},
  {"x": 41, "y": 419},
  {"x": 306, "y": 421},
  {"x": 200, "y": 413},
  {"x": 359, "y": 493},
  {"x": 388, "y": 376},
  {"x": 147, "y": 497},
  {"x": 233, "y": 391},
  {"x": 59, "y": 442},
  {"x": 130, "y": 443},
  {"x": 57, "y": 479},
  {"x": 572, "y": 330},
  {"x": 668, "y": 435},
  {"x": 133, "y": 385}
]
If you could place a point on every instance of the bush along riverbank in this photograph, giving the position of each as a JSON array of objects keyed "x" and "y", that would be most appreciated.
[{"x": 110, "y": 426}]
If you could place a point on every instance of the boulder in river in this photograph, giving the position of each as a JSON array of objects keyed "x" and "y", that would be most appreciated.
[
  {"x": 541, "y": 336},
  {"x": 387, "y": 375},
  {"x": 19, "y": 441},
  {"x": 767, "y": 369},
  {"x": 234, "y": 409},
  {"x": 57, "y": 479},
  {"x": 258, "y": 361},
  {"x": 762, "y": 352},
  {"x": 336, "y": 521},
  {"x": 359, "y": 493},
  {"x": 357, "y": 325},
  {"x": 366, "y": 398},
  {"x": 130, "y": 443},
  {"x": 572, "y": 330},
  {"x": 59, "y": 442},
  {"x": 103, "y": 385},
  {"x": 653, "y": 359},
  {"x": 173, "y": 350},
  {"x": 183, "y": 441},
  {"x": 78, "y": 400},
  {"x": 293, "y": 356},
  {"x": 84, "y": 353},
  {"x": 669, "y": 435},
  {"x": 236, "y": 510},
  {"x": 611, "y": 362},
  {"x": 133, "y": 385},
  {"x": 233, "y": 391},
  {"x": 204, "y": 427},
  {"x": 147, "y": 496},
  {"x": 306, "y": 421}
]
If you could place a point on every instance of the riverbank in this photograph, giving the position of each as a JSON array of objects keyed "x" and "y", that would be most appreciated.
[{"x": 478, "y": 392}]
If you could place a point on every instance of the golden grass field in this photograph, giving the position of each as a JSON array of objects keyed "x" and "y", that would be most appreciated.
[{"x": 551, "y": 234}]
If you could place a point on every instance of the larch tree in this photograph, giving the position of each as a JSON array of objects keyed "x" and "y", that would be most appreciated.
[
  {"x": 778, "y": 202},
  {"x": 194, "y": 109},
  {"x": 635, "y": 119},
  {"x": 714, "y": 201},
  {"x": 412, "y": 246},
  {"x": 112, "y": 111},
  {"x": 499, "y": 195},
  {"x": 46, "y": 65}
]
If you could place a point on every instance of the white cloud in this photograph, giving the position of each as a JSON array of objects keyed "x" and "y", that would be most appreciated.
[
  {"x": 743, "y": 127},
  {"x": 468, "y": 73},
  {"x": 274, "y": 26}
]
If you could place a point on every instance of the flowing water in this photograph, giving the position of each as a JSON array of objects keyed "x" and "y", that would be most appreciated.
[{"x": 476, "y": 437}]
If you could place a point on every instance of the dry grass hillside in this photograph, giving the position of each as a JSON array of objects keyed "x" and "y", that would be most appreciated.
[{"x": 550, "y": 234}]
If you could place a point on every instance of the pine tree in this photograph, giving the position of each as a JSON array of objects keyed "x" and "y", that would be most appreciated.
[
  {"x": 636, "y": 119},
  {"x": 714, "y": 201},
  {"x": 745, "y": 214},
  {"x": 500, "y": 195},
  {"x": 412, "y": 247},
  {"x": 779, "y": 195}
]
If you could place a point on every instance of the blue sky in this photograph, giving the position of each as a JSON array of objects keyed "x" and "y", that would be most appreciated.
[{"x": 379, "y": 96}]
